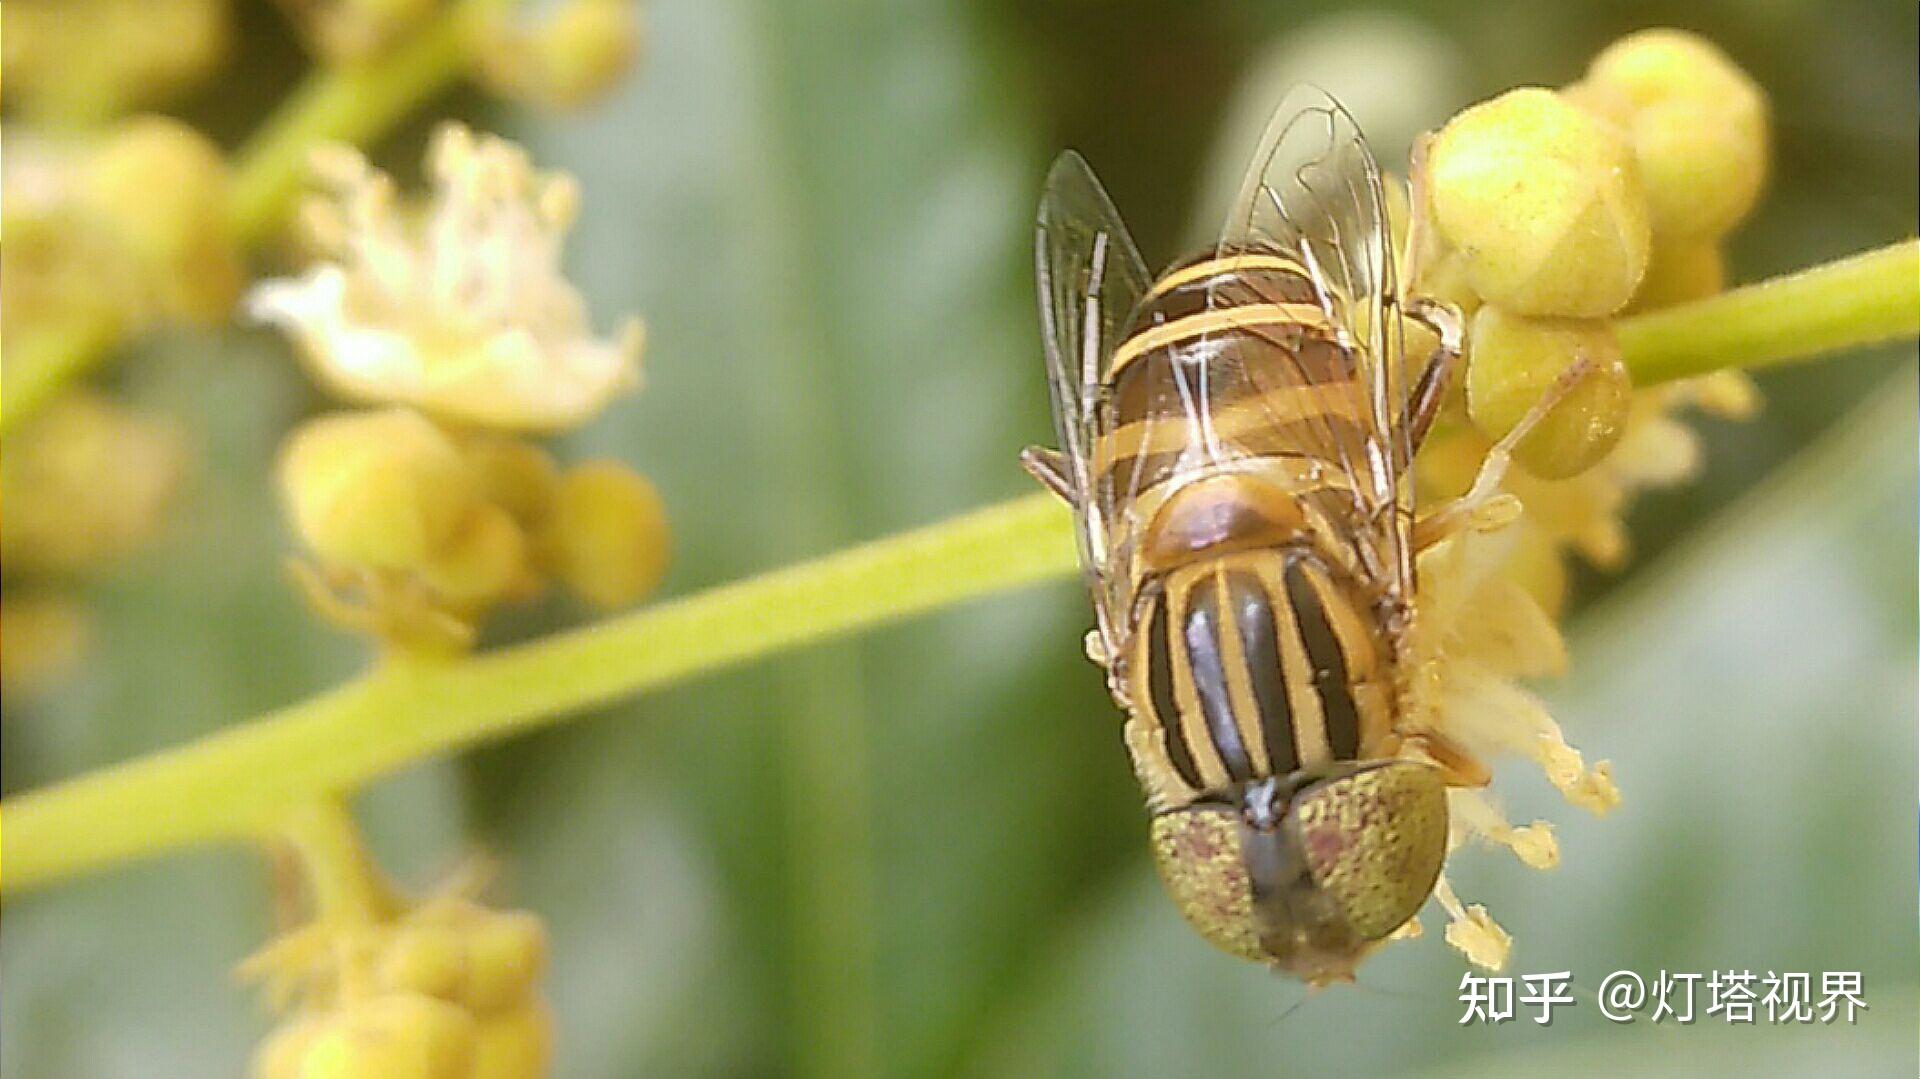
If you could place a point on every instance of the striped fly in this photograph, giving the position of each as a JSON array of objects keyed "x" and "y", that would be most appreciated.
[{"x": 1235, "y": 437}]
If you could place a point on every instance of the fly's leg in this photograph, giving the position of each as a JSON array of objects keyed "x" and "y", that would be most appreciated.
[
  {"x": 1485, "y": 507},
  {"x": 1442, "y": 318},
  {"x": 1428, "y": 393},
  {"x": 1458, "y": 767},
  {"x": 1050, "y": 468}
]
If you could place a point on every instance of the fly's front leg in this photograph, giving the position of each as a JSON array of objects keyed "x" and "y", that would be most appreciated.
[
  {"x": 1431, "y": 390},
  {"x": 1485, "y": 507}
]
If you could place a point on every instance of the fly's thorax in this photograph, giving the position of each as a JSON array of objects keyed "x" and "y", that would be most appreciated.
[{"x": 1307, "y": 874}]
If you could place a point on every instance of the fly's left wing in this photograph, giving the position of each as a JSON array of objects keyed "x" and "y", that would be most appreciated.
[
  {"x": 1091, "y": 277},
  {"x": 1314, "y": 193}
]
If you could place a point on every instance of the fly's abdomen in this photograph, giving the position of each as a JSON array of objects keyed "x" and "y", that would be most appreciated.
[{"x": 1250, "y": 666}]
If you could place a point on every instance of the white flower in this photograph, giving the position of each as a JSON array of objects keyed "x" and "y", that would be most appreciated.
[{"x": 457, "y": 306}]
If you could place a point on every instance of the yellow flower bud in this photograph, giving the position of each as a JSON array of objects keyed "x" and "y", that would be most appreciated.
[
  {"x": 570, "y": 58},
  {"x": 350, "y": 30},
  {"x": 1679, "y": 272},
  {"x": 1702, "y": 174},
  {"x": 284, "y": 1054},
  {"x": 1543, "y": 202},
  {"x": 381, "y": 489},
  {"x": 1697, "y": 123},
  {"x": 607, "y": 537},
  {"x": 86, "y": 483},
  {"x": 396, "y": 1036},
  {"x": 515, "y": 1044},
  {"x": 1514, "y": 360},
  {"x": 517, "y": 475},
  {"x": 506, "y": 956},
  {"x": 160, "y": 187},
  {"x": 424, "y": 958},
  {"x": 484, "y": 562},
  {"x": 1659, "y": 65},
  {"x": 84, "y": 60}
]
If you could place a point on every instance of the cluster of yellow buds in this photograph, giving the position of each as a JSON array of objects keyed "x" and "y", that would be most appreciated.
[
  {"x": 114, "y": 224},
  {"x": 1545, "y": 215},
  {"x": 86, "y": 485},
  {"x": 81, "y": 60},
  {"x": 442, "y": 989},
  {"x": 560, "y": 54},
  {"x": 353, "y": 31},
  {"x": 113, "y": 230},
  {"x": 452, "y": 315}
]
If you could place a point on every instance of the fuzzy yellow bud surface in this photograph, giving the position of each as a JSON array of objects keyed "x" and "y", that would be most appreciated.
[
  {"x": 1543, "y": 202},
  {"x": 570, "y": 57},
  {"x": 383, "y": 489},
  {"x": 161, "y": 188},
  {"x": 517, "y": 475},
  {"x": 1697, "y": 123},
  {"x": 350, "y": 30},
  {"x": 395, "y": 1036},
  {"x": 87, "y": 483},
  {"x": 484, "y": 562},
  {"x": 88, "y": 59},
  {"x": 1516, "y": 360},
  {"x": 607, "y": 537}
]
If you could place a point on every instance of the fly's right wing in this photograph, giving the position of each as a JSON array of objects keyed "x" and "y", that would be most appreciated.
[{"x": 1091, "y": 277}]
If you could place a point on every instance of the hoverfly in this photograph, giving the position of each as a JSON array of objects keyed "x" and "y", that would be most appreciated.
[{"x": 1235, "y": 441}]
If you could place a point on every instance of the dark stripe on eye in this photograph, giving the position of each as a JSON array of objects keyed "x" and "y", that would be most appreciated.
[
  {"x": 1329, "y": 665},
  {"x": 1160, "y": 687},
  {"x": 1206, "y": 658},
  {"x": 1253, "y": 616}
]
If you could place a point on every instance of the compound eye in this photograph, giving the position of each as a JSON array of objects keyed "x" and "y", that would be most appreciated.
[
  {"x": 1374, "y": 841},
  {"x": 1199, "y": 853}
]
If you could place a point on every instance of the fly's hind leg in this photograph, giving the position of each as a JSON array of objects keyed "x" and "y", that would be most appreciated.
[
  {"x": 1050, "y": 468},
  {"x": 1485, "y": 507}
]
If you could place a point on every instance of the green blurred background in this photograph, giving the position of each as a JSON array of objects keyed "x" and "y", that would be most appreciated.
[{"x": 823, "y": 212}]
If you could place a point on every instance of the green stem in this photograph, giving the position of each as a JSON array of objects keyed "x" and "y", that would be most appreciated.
[
  {"x": 1863, "y": 300},
  {"x": 354, "y": 103},
  {"x": 347, "y": 888},
  {"x": 351, "y": 103},
  {"x": 40, "y": 363},
  {"x": 239, "y": 782}
]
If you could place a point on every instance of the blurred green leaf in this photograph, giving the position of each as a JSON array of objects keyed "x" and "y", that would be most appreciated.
[{"x": 825, "y": 219}]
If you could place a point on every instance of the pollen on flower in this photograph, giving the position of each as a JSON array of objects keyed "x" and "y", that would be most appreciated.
[
  {"x": 454, "y": 304},
  {"x": 1474, "y": 813},
  {"x": 1472, "y": 931},
  {"x": 1591, "y": 789}
]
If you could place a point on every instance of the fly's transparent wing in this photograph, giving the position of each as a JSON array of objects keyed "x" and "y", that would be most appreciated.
[
  {"x": 1314, "y": 193},
  {"x": 1091, "y": 277}
]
